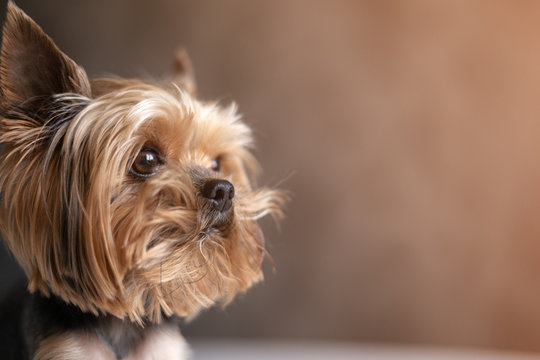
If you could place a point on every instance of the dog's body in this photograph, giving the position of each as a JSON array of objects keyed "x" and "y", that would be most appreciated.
[
  {"x": 27, "y": 319},
  {"x": 128, "y": 204}
]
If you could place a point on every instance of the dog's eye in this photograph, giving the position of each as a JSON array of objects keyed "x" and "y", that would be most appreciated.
[
  {"x": 146, "y": 163},
  {"x": 216, "y": 164}
]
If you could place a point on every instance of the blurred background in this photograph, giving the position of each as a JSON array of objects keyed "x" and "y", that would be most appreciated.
[{"x": 408, "y": 133}]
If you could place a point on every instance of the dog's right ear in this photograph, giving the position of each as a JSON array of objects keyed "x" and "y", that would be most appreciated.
[
  {"x": 184, "y": 76},
  {"x": 33, "y": 69}
]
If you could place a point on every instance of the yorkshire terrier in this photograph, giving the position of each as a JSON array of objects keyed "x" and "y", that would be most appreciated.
[{"x": 129, "y": 205}]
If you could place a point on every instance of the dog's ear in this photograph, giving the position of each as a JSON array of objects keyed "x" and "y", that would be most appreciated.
[
  {"x": 184, "y": 76},
  {"x": 32, "y": 68}
]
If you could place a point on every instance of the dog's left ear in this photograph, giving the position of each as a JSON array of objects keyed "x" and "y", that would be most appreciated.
[
  {"x": 184, "y": 76},
  {"x": 32, "y": 68}
]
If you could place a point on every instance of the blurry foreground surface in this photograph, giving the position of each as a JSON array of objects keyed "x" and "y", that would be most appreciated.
[
  {"x": 268, "y": 350},
  {"x": 409, "y": 135}
]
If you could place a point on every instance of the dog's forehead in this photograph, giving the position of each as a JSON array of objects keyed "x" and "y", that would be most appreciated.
[
  {"x": 180, "y": 123},
  {"x": 131, "y": 114}
]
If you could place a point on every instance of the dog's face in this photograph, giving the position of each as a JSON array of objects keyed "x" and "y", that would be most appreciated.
[{"x": 121, "y": 196}]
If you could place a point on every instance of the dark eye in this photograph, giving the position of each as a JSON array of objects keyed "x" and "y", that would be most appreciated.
[
  {"x": 146, "y": 163},
  {"x": 216, "y": 164}
]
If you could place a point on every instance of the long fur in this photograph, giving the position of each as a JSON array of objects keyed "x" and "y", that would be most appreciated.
[{"x": 92, "y": 234}]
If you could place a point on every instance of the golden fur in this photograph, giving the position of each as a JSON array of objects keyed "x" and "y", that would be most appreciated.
[{"x": 84, "y": 228}]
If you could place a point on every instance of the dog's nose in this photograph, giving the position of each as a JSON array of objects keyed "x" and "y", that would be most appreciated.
[{"x": 220, "y": 193}]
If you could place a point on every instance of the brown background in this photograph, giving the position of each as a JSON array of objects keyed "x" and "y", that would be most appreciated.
[{"x": 408, "y": 133}]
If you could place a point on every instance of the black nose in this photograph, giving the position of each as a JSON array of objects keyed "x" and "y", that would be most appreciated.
[{"x": 219, "y": 192}]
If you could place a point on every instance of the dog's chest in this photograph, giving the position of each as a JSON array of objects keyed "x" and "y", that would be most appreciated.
[
  {"x": 162, "y": 342},
  {"x": 128, "y": 342}
]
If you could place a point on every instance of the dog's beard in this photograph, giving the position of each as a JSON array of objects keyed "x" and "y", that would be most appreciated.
[{"x": 182, "y": 255}]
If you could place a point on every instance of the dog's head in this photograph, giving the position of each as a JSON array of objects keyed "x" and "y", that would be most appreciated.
[{"x": 123, "y": 196}]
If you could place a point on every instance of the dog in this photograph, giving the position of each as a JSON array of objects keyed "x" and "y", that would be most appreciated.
[{"x": 129, "y": 204}]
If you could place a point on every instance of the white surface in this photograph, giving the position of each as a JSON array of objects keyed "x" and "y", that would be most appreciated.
[{"x": 266, "y": 350}]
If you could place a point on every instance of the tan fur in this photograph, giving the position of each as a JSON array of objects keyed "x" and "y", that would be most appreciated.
[
  {"x": 73, "y": 345},
  {"x": 87, "y": 230},
  {"x": 161, "y": 343}
]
